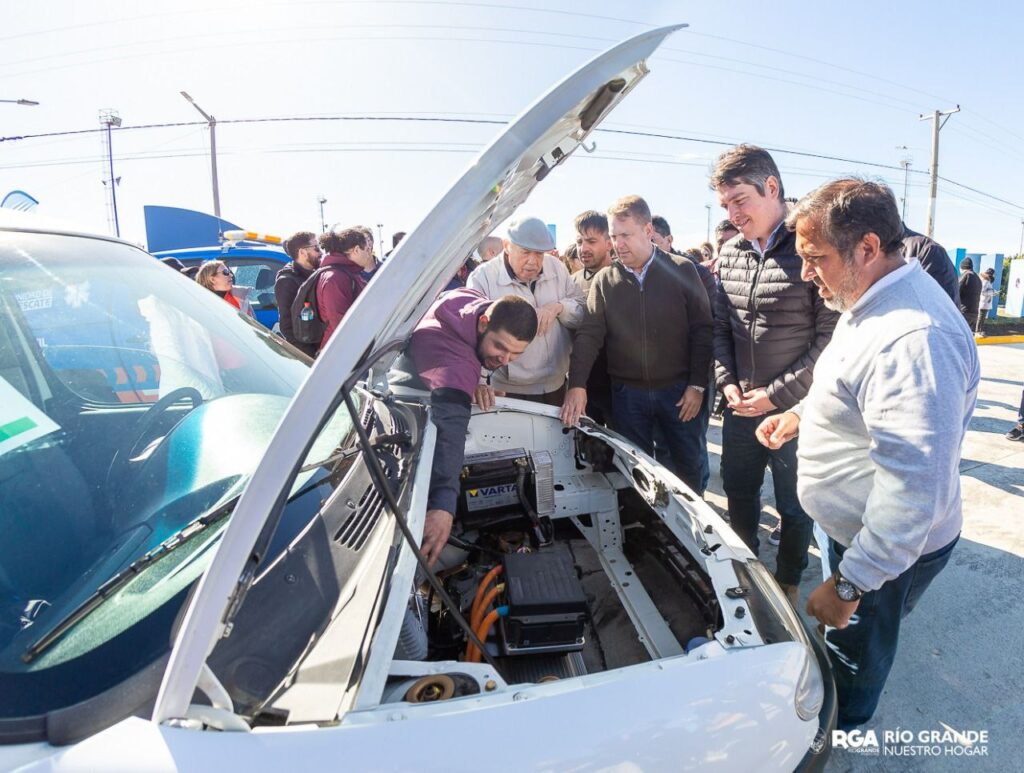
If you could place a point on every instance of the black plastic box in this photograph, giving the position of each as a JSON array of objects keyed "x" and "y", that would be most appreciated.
[{"x": 547, "y": 605}]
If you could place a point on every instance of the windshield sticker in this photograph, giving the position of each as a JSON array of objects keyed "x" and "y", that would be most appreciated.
[
  {"x": 20, "y": 421},
  {"x": 34, "y": 300},
  {"x": 76, "y": 295}
]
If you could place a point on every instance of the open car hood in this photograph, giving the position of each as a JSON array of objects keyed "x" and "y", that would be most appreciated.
[{"x": 383, "y": 317}]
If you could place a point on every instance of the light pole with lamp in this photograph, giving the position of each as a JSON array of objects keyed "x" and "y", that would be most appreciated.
[
  {"x": 212, "y": 122},
  {"x": 321, "y": 199},
  {"x": 708, "y": 208}
]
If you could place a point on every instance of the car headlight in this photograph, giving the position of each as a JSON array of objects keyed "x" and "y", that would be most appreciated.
[{"x": 776, "y": 621}]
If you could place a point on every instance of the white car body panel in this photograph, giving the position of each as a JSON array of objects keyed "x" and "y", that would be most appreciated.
[{"x": 661, "y": 716}]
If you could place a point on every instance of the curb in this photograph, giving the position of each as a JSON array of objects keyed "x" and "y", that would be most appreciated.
[{"x": 999, "y": 340}]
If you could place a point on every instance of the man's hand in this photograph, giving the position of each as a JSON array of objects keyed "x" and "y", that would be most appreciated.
[
  {"x": 733, "y": 395},
  {"x": 689, "y": 403},
  {"x": 485, "y": 395},
  {"x": 574, "y": 406},
  {"x": 777, "y": 430},
  {"x": 753, "y": 403},
  {"x": 546, "y": 316},
  {"x": 824, "y": 603},
  {"x": 436, "y": 528}
]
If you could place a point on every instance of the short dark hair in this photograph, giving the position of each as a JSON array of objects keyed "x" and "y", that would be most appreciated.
[
  {"x": 396, "y": 237},
  {"x": 725, "y": 225},
  {"x": 174, "y": 263},
  {"x": 341, "y": 242},
  {"x": 661, "y": 226},
  {"x": 296, "y": 242},
  {"x": 746, "y": 164},
  {"x": 592, "y": 220},
  {"x": 631, "y": 206},
  {"x": 845, "y": 210},
  {"x": 515, "y": 316},
  {"x": 967, "y": 264}
]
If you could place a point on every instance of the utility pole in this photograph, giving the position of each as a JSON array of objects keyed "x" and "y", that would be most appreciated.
[
  {"x": 708, "y": 208},
  {"x": 212, "y": 123},
  {"x": 937, "y": 125},
  {"x": 905, "y": 163},
  {"x": 323, "y": 223},
  {"x": 110, "y": 119}
]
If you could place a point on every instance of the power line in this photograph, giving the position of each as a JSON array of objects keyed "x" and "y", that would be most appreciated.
[{"x": 496, "y": 122}]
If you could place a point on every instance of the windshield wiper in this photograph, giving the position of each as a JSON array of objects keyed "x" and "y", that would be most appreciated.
[{"x": 126, "y": 575}]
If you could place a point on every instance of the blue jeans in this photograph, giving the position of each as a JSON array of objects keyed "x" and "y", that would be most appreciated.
[
  {"x": 638, "y": 412},
  {"x": 862, "y": 653},
  {"x": 744, "y": 461}
]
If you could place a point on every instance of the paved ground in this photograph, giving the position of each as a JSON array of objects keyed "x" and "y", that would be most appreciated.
[{"x": 961, "y": 654}]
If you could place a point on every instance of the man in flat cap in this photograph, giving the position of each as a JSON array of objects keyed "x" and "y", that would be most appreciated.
[{"x": 526, "y": 271}]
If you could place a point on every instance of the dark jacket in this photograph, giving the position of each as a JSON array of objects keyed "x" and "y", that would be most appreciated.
[
  {"x": 770, "y": 325},
  {"x": 336, "y": 291},
  {"x": 933, "y": 259},
  {"x": 655, "y": 336},
  {"x": 970, "y": 292},
  {"x": 286, "y": 287}
]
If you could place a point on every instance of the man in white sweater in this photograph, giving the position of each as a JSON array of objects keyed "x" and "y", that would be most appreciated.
[
  {"x": 880, "y": 430},
  {"x": 525, "y": 270}
]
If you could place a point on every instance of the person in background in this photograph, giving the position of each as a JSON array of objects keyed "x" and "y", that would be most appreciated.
[
  {"x": 216, "y": 277},
  {"x": 1017, "y": 433},
  {"x": 349, "y": 257},
  {"x": 174, "y": 263},
  {"x": 881, "y": 431},
  {"x": 770, "y": 328},
  {"x": 652, "y": 314},
  {"x": 396, "y": 237},
  {"x": 933, "y": 259},
  {"x": 987, "y": 293},
  {"x": 707, "y": 252},
  {"x": 527, "y": 270},
  {"x": 662, "y": 238},
  {"x": 571, "y": 259},
  {"x": 304, "y": 250},
  {"x": 970, "y": 292},
  {"x": 662, "y": 235},
  {"x": 594, "y": 248}
]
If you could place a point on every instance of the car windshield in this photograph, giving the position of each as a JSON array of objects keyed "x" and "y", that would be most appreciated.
[{"x": 134, "y": 406}]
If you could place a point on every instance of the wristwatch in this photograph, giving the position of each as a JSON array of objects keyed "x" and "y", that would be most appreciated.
[
  {"x": 698, "y": 388},
  {"x": 845, "y": 589}
]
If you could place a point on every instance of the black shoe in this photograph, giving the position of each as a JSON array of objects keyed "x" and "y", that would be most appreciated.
[{"x": 1017, "y": 433}]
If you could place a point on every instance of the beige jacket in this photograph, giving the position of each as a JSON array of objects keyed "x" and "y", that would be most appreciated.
[{"x": 545, "y": 363}]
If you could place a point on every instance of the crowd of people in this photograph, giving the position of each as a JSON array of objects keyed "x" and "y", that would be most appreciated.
[{"x": 828, "y": 318}]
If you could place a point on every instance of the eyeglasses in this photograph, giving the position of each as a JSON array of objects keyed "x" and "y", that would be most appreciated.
[
  {"x": 227, "y": 272},
  {"x": 312, "y": 247}
]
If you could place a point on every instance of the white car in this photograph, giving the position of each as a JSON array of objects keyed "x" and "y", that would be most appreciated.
[{"x": 207, "y": 557}]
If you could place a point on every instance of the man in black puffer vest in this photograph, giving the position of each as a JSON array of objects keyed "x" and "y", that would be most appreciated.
[
  {"x": 770, "y": 328},
  {"x": 304, "y": 250}
]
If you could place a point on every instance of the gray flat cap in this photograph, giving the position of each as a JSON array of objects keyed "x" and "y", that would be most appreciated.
[{"x": 530, "y": 233}]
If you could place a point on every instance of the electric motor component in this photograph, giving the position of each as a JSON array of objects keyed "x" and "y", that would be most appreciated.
[{"x": 547, "y": 607}]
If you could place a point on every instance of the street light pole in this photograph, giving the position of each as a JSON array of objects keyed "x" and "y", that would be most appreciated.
[
  {"x": 708, "y": 208},
  {"x": 323, "y": 223},
  {"x": 1020, "y": 250},
  {"x": 212, "y": 123},
  {"x": 905, "y": 163}
]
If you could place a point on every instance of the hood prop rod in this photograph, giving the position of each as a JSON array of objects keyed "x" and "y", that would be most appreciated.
[{"x": 377, "y": 474}]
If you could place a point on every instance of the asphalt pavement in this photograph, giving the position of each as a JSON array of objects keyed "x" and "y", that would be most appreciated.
[{"x": 960, "y": 662}]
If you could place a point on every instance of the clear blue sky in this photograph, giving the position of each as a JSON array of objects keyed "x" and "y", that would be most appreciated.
[{"x": 842, "y": 80}]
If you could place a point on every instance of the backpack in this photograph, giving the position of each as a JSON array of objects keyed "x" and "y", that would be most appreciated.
[{"x": 311, "y": 331}]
